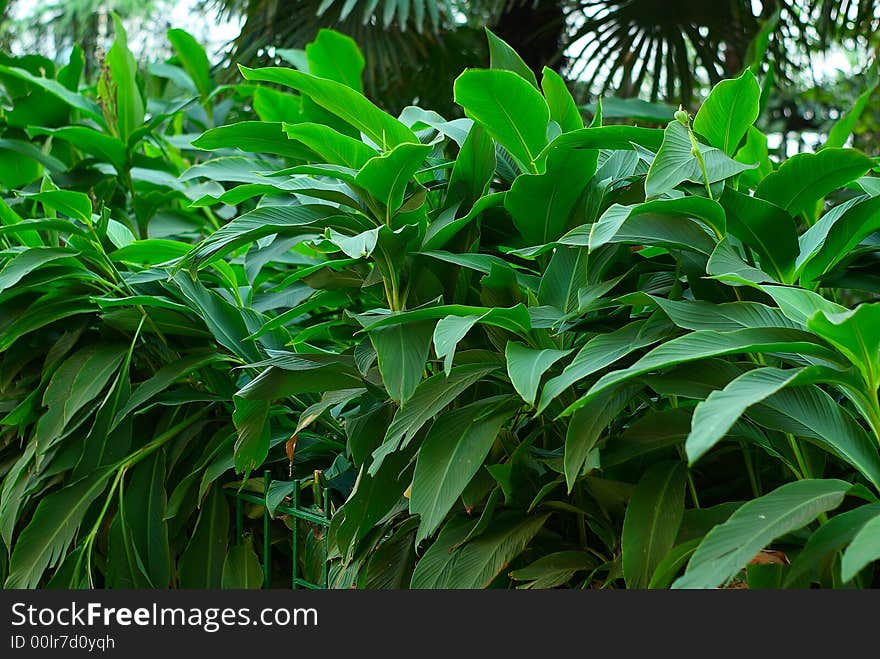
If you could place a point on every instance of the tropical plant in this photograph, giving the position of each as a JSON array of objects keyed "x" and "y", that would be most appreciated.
[{"x": 517, "y": 349}]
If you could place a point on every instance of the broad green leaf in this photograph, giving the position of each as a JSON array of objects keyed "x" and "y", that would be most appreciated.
[
  {"x": 251, "y": 419},
  {"x": 514, "y": 319},
  {"x": 805, "y": 178},
  {"x": 75, "y": 205},
  {"x": 610, "y": 137},
  {"x": 201, "y": 564},
  {"x": 451, "y": 454},
  {"x": 477, "y": 563},
  {"x": 675, "y": 163},
  {"x": 856, "y": 333},
  {"x": 811, "y": 413},
  {"x": 385, "y": 177},
  {"x": 90, "y": 141},
  {"x": 754, "y": 150},
  {"x": 193, "y": 59},
  {"x": 765, "y": 228},
  {"x": 613, "y": 219},
  {"x": 599, "y": 352},
  {"x": 428, "y": 400},
  {"x": 653, "y": 517},
  {"x": 335, "y": 56},
  {"x": 472, "y": 172},
  {"x": 511, "y": 109},
  {"x": 563, "y": 109},
  {"x": 332, "y": 146},
  {"x": 447, "y": 225},
  {"x": 554, "y": 569},
  {"x": 669, "y": 568},
  {"x": 124, "y": 87},
  {"x": 253, "y": 136},
  {"x": 700, "y": 315},
  {"x": 46, "y": 539},
  {"x": 864, "y": 549},
  {"x": 799, "y": 304},
  {"x": 542, "y": 205},
  {"x": 145, "y": 503},
  {"x": 726, "y": 114},
  {"x": 358, "y": 246},
  {"x": 346, "y": 103},
  {"x": 504, "y": 58},
  {"x": 526, "y": 366},
  {"x": 241, "y": 568},
  {"x": 258, "y": 223},
  {"x": 836, "y": 235},
  {"x": 402, "y": 351},
  {"x": 708, "y": 343},
  {"x": 447, "y": 334},
  {"x": 26, "y": 262},
  {"x": 827, "y": 541},
  {"x": 728, "y": 547},
  {"x": 715, "y": 416}
]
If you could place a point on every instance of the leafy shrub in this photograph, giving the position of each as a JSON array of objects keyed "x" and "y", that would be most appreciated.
[{"x": 518, "y": 350}]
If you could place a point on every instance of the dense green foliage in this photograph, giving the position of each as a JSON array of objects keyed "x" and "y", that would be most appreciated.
[{"x": 520, "y": 351}]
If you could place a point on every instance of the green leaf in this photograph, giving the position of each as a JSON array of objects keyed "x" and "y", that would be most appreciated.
[
  {"x": 504, "y": 58},
  {"x": 824, "y": 545},
  {"x": 30, "y": 260},
  {"x": 600, "y": 351},
  {"x": 251, "y": 419},
  {"x": 620, "y": 138},
  {"x": 90, "y": 141},
  {"x": 765, "y": 228},
  {"x": 447, "y": 334},
  {"x": 525, "y": 366},
  {"x": 708, "y": 343},
  {"x": 429, "y": 398},
  {"x": 258, "y": 223},
  {"x": 856, "y": 333},
  {"x": 145, "y": 503},
  {"x": 586, "y": 426},
  {"x": 201, "y": 564},
  {"x": 509, "y": 108},
  {"x": 672, "y": 564},
  {"x": 563, "y": 109},
  {"x": 477, "y": 563},
  {"x": 75, "y": 205},
  {"x": 242, "y": 569},
  {"x": 726, "y": 114},
  {"x": 253, "y": 136},
  {"x": 554, "y": 569},
  {"x": 728, "y": 547},
  {"x": 715, "y": 416},
  {"x": 332, "y": 146},
  {"x": 193, "y": 59},
  {"x": 542, "y": 205},
  {"x": 653, "y": 517},
  {"x": 402, "y": 351},
  {"x": 811, "y": 413},
  {"x": 836, "y": 235},
  {"x": 451, "y": 454},
  {"x": 802, "y": 180},
  {"x": 335, "y": 56},
  {"x": 386, "y": 177},
  {"x": 45, "y": 540},
  {"x": 346, "y": 103},
  {"x": 864, "y": 549},
  {"x": 126, "y": 93},
  {"x": 674, "y": 163},
  {"x": 616, "y": 216},
  {"x": 472, "y": 172}
]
